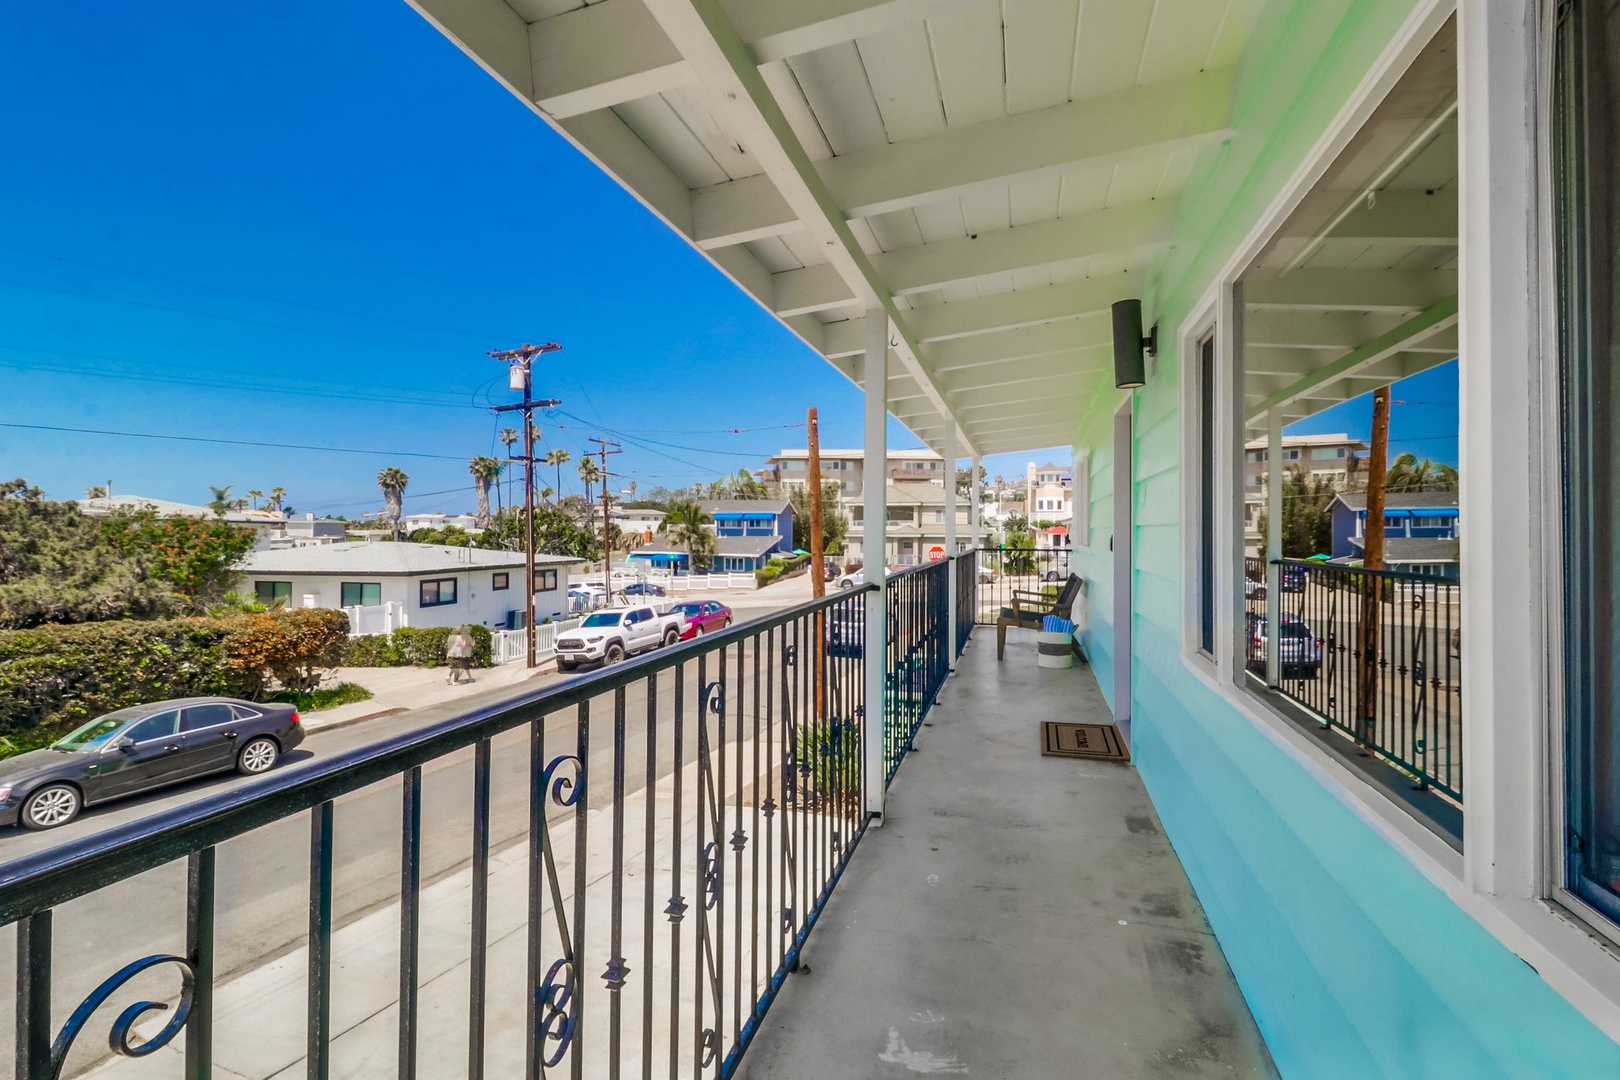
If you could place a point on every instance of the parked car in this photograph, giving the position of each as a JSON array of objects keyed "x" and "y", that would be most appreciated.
[
  {"x": 1057, "y": 567},
  {"x": 701, "y": 617},
  {"x": 643, "y": 588},
  {"x": 610, "y": 635},
  {"x": 1253, "y": 590},
  {"x": 851, "y": 579},
  {"x": 987, "y": 575},
  {"x": 846, "y": 628},
  {"x": 140, "y": 748},
  {"x": 1292, "y": 579},
  {"x": 1298, "y": 650}
]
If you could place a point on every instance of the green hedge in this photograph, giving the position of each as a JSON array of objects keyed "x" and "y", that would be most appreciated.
[
  {"x": 415, "y": 646},
  {"x": 779, "y": 567},
  {"x": 55, "y": 677}
]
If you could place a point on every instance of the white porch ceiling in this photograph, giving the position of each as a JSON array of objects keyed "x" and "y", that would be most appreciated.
[{"x": 989, "y": 175}]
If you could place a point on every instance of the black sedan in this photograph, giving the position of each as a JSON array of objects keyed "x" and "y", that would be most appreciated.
[
  {"x": 643, "y": 588},
  {"x": 141, "y": 748}
]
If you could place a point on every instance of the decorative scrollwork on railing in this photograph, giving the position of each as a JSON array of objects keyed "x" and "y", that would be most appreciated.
[
  {"x": 557, "y": 1018},
  {"x": 790, "y": 655},
  {"x": 119, "y": 1039},
  {"x": 714, "y": 697},
  {"x": 566, "y": 789},
  {"x": 711, "y": 875},
  {"x": 711, "y": 1047}
]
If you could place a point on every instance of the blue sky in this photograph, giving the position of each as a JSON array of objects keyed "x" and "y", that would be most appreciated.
[
  {"x": 1422, "y": 416},
  {"x": 307, "y": 224}
]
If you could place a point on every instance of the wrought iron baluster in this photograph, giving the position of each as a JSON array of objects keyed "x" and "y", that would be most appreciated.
[
  {"x": 648, "y": 877},
  {"x": 318, "y": 1051},
  {"x": 477, "y": 958},
  {"x": 200, "y": 868},
  {"x": 33, "y": 1049},
  {"x": 677, "y": 903},
  {"x": 758, "y": 785},
  {"x": 739, "y": 841},
  {"x": 616, "y": 968},
  {"x": 576, "y": 958},
  {"x": 410, "y": 916}
]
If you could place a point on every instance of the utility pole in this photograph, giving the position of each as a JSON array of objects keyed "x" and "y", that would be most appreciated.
[
  {"x": 818, "y": 576},
  {"x": 521, "y": 360},
  {"x": 604, "y": 447},
  {"x": 1372, "y": 590}
]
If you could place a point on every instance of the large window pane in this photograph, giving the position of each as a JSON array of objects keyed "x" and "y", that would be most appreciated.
[{"x": 1587, "y": 142}]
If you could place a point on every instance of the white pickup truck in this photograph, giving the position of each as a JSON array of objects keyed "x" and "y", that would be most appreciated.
[{"x": 610, "y": 635}]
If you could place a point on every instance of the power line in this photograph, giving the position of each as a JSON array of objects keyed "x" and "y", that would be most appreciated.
[{"x": 230, "y": 442}]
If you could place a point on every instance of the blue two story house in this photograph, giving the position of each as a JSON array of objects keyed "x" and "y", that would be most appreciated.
[
  {"x": 1420, "y": 530},
  {"x": 749, "y": 532}
]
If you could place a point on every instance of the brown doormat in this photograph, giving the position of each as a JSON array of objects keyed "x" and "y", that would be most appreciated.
[{"x": 1099, "y": 741}]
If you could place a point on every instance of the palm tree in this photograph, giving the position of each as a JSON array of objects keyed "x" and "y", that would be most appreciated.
[
  {"x": 220, "y": 504},
  {"x": 392, "y": 480},
  {"x": 97, "y": 492},
  {"x": 684, "y": 521},
  {"x": 509, "y": 437},
  {"x": 484, "y": 471},
  {"x": 277, "y": 496},
  {"x": 558, "y": 457},
  {"x": 1409, "y": 474},
  {"x": 590, "y": 473},
  {"x": 630, "y": 490},
  {"x": 255, "y": 495}
]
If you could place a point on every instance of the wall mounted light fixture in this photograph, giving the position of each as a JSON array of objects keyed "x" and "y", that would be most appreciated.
[{"x": 1130, "y": 346}]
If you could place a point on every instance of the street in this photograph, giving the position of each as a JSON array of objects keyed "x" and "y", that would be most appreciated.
[{"x": 263, "y": 877}]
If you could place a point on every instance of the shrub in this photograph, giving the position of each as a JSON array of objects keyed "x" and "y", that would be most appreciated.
[
  {"x": 293, "y": 646},
  {"x": 328, "y": 698},
  {"x": 415, "y": 646}
]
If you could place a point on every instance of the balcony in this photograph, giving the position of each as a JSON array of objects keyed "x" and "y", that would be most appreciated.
[{"x": 621, "y": 874}]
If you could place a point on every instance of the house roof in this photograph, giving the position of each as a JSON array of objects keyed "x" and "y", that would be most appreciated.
[
  {"x": 1400, "y": 549},
  {"x": 1290, "y": 442},
  {"x": 746, "y": 506},
  {"x": 388, "y": 559},
  {"x": 892, "y": 455},
  {"x": 1402, "y": 500},
  {"x": 168, "y": 508}
]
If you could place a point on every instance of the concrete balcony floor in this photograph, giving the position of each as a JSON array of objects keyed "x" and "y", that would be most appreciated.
[{"x": 1016, "y": 916}]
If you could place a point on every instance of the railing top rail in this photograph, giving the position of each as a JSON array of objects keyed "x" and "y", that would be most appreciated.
[
  {"x": 918, "y": 569},
  {"x": 48, "y": 878},
  {"x": 1388, "y": 575}
]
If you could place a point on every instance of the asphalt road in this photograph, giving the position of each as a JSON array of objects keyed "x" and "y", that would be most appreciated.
[{"x": 263, "y": 877}]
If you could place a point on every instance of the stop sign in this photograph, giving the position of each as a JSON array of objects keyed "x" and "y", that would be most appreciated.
[{"x": 936, "y": 553}]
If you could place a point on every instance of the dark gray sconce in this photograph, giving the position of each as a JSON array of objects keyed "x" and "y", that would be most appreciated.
[{"x": 1130, "y": 346}]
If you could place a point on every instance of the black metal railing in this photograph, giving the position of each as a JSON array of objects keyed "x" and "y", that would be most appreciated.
[
  {"x": 1373, "y": 654},
  {"x": 918, "y": 654},
  {"x": 965, "y": 566},
  {"x": 685, "y": 817},
  {"x": 1001, "y": 571}
]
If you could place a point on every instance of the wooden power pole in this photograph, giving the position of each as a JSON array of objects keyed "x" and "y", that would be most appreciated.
[
  {"x": 521, "y": 360},
  {"x": 1372, "y": 590},
  {"x": 818, "y": 575},
  {"x": 604, "y": 447}
]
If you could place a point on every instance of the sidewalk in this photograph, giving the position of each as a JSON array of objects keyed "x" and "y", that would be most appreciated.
[{"x": 397, "y": 689}]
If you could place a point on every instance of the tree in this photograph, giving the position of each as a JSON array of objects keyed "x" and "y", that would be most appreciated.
[
  {"x": 255, "y": 495},
  {"x": 964, "y": 480},
  {"x": 684, "y": 521},
  {"x": 1307, "y": 526},
  {"x": 509, "y": 437},
  {"x": 555, "y": 533},
  {"x": 195, "y": 558},
  {"x": 1018, "y": 556},
  {"x": 589, "y": 473},
  {"x": 450, "y": 536},
  {"x": 220, "y": 504},
  {"x": 393, "y": 481},
  {"x": 1407, "y": 473},
  {"x": 97, "y": 492},
  {"x": 278, "y": 496},
  {"x": 558, "y": 458},
  {"x": 744, "y": 485},
  {"x": 834, "y": 522},
  {"x": 484, "y": 471}
]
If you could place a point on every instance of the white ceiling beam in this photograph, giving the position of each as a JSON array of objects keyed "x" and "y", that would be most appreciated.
[
  {"x": 602, "y": 55},
  {"x": 1117, "y": 231},
  {"x": 740, "y": 212},
  {"x": 777, "y": 29},
  {"x": 746, "y": 110},
  {"x": 1065, "y": 374},
  {"x": 1397, "y": 291},
  {"x": 1411, "y": 217},
  {"x": 618, "y": 151},
  {"x": 1440, "y": 316},
  {"x": 1003, "y": 311},
  {"x": 809, "y": 288},
  {"x": 1073, "y": 358},
  {"x": 1094, "y": 133},
  {"x": 1029, "y": 341},
  {"x": 490, "y": 33},
  {"x": 1007, "y": 402}
]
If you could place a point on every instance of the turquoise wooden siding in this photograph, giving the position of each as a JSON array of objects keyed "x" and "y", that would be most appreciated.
[{"x": 1354, "y": 964}]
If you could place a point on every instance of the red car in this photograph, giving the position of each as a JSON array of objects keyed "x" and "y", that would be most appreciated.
[{"x": 701, "y": 617}]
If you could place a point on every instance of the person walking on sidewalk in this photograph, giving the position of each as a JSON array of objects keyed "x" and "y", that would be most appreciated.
[{"x": 458, "y": 651}]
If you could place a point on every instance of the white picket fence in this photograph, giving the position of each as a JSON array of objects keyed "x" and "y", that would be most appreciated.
[
  {"x": 375, "y": 619},
  {"x": 508, "y": 646},
  {"x": 694, "y": 582}
]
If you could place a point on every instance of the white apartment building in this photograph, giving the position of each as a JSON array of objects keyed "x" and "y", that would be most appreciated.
[
  {"x": 1049, "y": 492},
  {"x": 1322, "y": 455},
  {"x": 846, "y": 468},
  {"x": 916, "y": 525}
]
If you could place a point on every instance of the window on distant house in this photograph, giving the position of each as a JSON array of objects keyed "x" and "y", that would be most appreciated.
[
  {"x": 1206, "y": 496},
  {"x": 500, "y": 581},
  {"x": 268, "y": 592},
  {"x": 1291, "y": 455},
  {"x": 438, "y": 592},
  {"x": 361, "y": 593},
  {"x": 545, "y": 580}
]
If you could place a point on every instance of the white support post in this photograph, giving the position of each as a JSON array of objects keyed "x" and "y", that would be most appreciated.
[
  {"x": 1274, "y": 512},
  {"x": 973, "y": 501},
  {"x": 875, "y": 515},
  {"x": 950, "y": 543}
]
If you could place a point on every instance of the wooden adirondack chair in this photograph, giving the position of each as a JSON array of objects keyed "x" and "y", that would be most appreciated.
[{"x": 1028, "y": 609}]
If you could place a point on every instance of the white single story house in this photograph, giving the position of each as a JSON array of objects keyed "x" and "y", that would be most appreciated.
[{"x": 431, "y": 584}]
